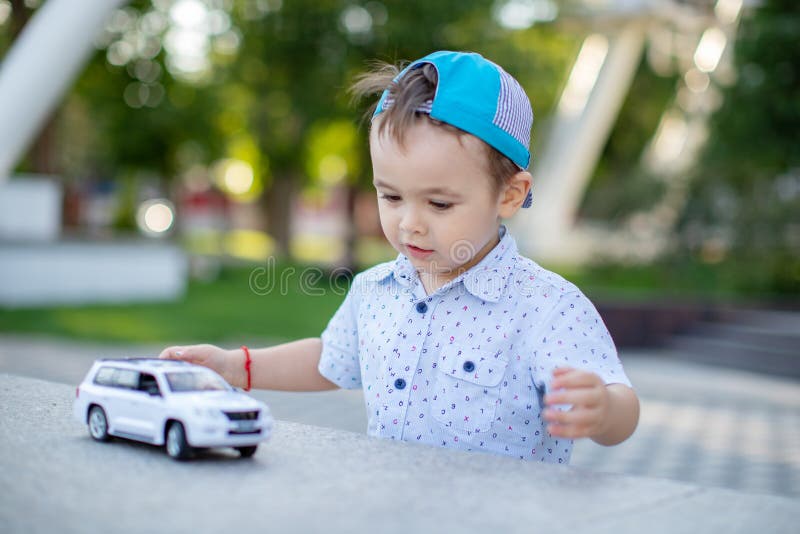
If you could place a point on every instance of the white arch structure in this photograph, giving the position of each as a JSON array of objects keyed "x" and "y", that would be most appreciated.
[
  {"x": 41, "y": 66},
  {"x": 697, "y": 33}
]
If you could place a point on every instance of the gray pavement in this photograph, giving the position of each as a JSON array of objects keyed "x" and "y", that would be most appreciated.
[
  {"x": 55, "y": 478},
  {"x": 705, "y": 425}
]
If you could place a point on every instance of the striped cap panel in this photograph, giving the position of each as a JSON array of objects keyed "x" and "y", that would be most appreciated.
[{"x": 514, "y": 114}]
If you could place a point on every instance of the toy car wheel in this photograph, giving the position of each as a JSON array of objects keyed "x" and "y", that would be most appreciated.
[
  {"x": 98, "y": 424},
  {"x": 177, "y": 446},
  {"x": 247, "y": 452}
]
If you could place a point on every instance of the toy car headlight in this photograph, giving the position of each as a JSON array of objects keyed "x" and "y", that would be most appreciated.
[{"x": 211, "y": 413}]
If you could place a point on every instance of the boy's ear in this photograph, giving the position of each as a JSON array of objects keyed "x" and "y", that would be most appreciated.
[{"x": 514, "y": 193}]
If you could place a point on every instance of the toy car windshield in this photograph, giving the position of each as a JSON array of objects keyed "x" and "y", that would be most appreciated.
[{"x": 187, "y": 381}]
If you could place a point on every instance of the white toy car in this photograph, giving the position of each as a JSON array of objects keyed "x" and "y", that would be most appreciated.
[{"x": 170, "y": 402}]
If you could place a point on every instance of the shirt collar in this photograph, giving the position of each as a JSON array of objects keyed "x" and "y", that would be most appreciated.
[{"x": 486, "y": 280}]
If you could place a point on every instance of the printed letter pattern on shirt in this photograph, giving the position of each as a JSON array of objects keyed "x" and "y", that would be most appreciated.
[{"x": 468, "y": 370}]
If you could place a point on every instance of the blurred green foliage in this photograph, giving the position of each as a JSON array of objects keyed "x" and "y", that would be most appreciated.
[
  {"x": 746, "y": 189},
  {"x": 285, "y": 78},
  {"x": 278, "y": 93},
  {"x": 276, "y": 78}
]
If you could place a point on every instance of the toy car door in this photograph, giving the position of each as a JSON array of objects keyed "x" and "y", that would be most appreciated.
[
  {"x": 121, "y": 404},
  {"x": 145, "y": 411}
]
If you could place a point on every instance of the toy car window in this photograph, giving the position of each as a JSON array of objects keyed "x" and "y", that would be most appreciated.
[
  {"x": 103, "y": 376},
  {"x": 148, "y": 384},
  {"x": 126, "y": 378},
  {"x": 184, "y": 381}
]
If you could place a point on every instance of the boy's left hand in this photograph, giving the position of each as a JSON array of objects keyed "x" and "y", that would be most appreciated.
[{"x": 590, "y": 400}]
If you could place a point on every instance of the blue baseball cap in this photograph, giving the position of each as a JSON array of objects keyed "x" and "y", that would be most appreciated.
[{"x": 479, "y": 97}]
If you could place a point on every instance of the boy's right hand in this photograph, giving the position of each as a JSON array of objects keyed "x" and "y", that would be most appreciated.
[{"x": 211, "y": 356}]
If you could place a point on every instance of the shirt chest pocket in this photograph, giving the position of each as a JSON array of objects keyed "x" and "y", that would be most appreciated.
[{"x": 467, "y": 389}]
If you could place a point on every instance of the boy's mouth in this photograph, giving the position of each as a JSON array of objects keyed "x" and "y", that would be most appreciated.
[{"x": 418, "y": 252}]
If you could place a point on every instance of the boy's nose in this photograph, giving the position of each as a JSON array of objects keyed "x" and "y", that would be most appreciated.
[{"x": 411, "y": 222}]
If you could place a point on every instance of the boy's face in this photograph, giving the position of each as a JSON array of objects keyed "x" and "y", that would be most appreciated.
[{"x": 436, "y": 201}]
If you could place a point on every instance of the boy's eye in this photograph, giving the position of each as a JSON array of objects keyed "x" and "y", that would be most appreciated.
[
  {"x": 440, "y": 205},
  {"x": 390, "y": 198}
]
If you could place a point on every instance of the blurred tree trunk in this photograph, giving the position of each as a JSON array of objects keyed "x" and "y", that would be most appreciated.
[
  {"x": 349, "y": 260},
  {"x": 42, "y": 154},
  {"x": 278, "y": 204},
  {"x": 41, "y": 157},
  {"x": 19, "y": 17}
]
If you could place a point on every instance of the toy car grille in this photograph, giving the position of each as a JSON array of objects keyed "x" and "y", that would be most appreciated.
[
  {"x": 255, "y": 432},
  {"x": 242, "y": 416}
]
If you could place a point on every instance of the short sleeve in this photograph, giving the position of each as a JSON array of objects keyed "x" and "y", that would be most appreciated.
[
  {"x": 339, "y": 361},
  {"x": 574, "y": 335}
]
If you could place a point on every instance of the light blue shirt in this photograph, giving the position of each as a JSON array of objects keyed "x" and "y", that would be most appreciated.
[{"x": 466, "y": 367}]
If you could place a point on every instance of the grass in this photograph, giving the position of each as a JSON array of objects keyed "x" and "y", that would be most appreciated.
[
  {"x": 228, "y": 310},
  {"x": 225, "y": 309}
]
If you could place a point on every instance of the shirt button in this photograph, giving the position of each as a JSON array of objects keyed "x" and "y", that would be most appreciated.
[
  {"x": 469, "y": 366},
  {"x": 400, "y": 383},
  {"x": 422, "y": 307}
]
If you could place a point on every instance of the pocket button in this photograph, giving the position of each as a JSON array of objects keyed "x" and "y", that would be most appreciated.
[{"x": 469, "y": 366}]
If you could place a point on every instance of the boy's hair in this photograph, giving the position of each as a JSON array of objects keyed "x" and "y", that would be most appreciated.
[{"x": 414, "y": 90}]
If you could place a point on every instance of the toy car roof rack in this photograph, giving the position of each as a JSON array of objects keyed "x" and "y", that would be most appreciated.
[{"x": 151, "y": 360}]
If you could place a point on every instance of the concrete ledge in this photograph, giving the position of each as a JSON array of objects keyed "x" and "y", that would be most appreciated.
[{"x": 310, "y": 479}]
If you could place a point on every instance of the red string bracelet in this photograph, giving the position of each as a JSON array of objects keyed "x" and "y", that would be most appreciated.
[{"x": 247, "y": 363}]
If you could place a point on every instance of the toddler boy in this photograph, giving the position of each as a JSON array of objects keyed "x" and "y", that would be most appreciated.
[{"x": 460, "y": 342}]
